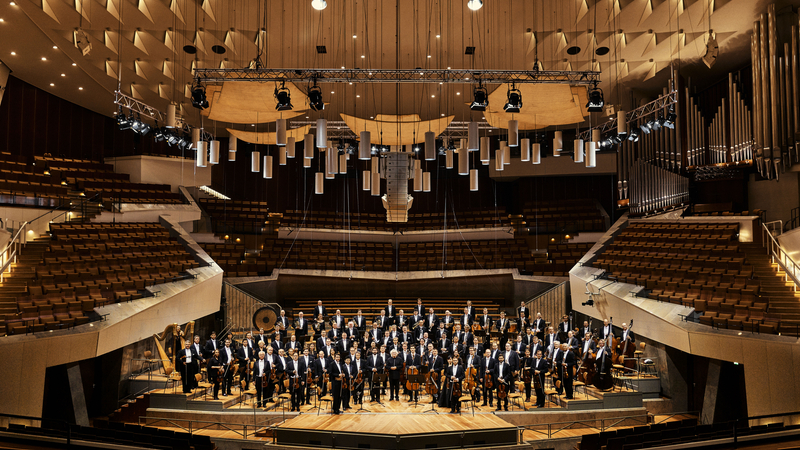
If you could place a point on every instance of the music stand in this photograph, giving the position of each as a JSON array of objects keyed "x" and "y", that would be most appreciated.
[
  {"x": 418, "y": 379},
  {"x": 433, "y": 402},
  {"x": 361, "y": 402},
  {"x": 379, "y": 378}
]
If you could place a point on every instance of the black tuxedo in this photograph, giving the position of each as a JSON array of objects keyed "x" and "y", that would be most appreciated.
[
  {"x": 187, "y": 363},
  {"x": 383, "y": 322},
  {"x": 320, "y": 310},
  {"x": 535, "y": 347},
  {"x": 457, "y": 372},
  {"x": 592, "y": 346},
  {"x": 471, "y": 311},
  {"x": 605, "y": 331},
  {"x": 512, "y": 359},
  {"x": 503, "y": 370},
  {"x": 419, "y": 310},
  {"x": 338, "y": 320},
  {"x": 211, "y": 345},
  {"x": 432, "y": 321},
  {"x": 259, "y": 372},
  {"x": 228, "y": 361},
  {"x": 360, "y": 323},
  {"x": 285, "y": 322},
  {"x": 540, "y": 365},
  {"x": 302, "y": 330},
  {"x": 519, "y": 347},
  {"x": 391, "y": 311},
  {"x": 294, "y": 345},
  {"x": 466, "y": 320},
  {"x": 539, "y": 324},
  {"x": 630, "y": 334},
  {"x": 375, "y": 364},
  {"x": 336, "y": 375}
]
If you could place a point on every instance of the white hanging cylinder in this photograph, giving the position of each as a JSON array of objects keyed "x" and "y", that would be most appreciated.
[
  {"x": 448, "y": 159},
  {"x": 213, "y": 152},
  {"x": 308, "y": 146},
  {"x": 319, "y": 183},
  {"x": 376, "y": 184},
  {"x": 280, "y": 132},
  {"x": 255, "y": 162},
  {"x": 536, "y": 152},
  {"x": 233, "y": 144},
  {"x": 473, "y": 138},
  {"x": 417, "y": 180},
  {"x": 591, "y": 154},
  {"x": 473, "y": 180},
  {"x": 290, "y": 147},
  {"x": 596, "y": 135},
  {"x": 231, "y": 155},
  {"x": 322, "y": 133},
  {"x": 463, "y": 161},
  {"x": 374, "y": 164},
  {"x": 282, "y": 156},
  {"x": 498, "y": 160},
  {"x": 622, "y": 123},
  {"x": 306, "y": 163},
  {"x": 485, "y": 154},
  {"x": 330, "y": 176},
  {"x": 513, "y": 133},
  {"x": 364, "y": 146},
  {"x": 426, "y": 181},
  {"x": 343, "y": 163},
  {"x": 525, "y": 150},
  {"x": 558, "y": 143},
  {"x": 268, "y": 167},
  {"x": 172, "y": 121},
  {"x": 506, "y": 155},
  {"x": 195, "y": 137},
  {"x": 366, "y": 183},
  {"x": 202, "y": 153},
  {"x": 578, "y": 151},
  {"x": 430, "y": 146}
]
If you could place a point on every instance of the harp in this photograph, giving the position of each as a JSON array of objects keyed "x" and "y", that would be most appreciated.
[{"x": 168, "y": 356}]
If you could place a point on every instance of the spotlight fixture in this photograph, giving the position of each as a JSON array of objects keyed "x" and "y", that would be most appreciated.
[
  {"x": 319, "y": 5},
  {"x": 475, "y": 4},
  {"x": 647, "y": 127},
  {"x": 514, "y": 102},
  {"x": 669, "y": 121},
  {"x": 139, "y": 126},
  {"x": 123, "y": 122},
  {"x": 481, "y": 99},
  {"x": 315, "y": 98},
  {"x": 633, "y": 136},
  {"x": 596, "y": 102},
  {"x": 173, "y": 139},
  {"x": 284, "y": 98},
  {"x": 656, "y": 124},
  {"x": 159, "y": 134},
  {"x": 589, "y": 301},
  {"x": 199, "y": 100}
]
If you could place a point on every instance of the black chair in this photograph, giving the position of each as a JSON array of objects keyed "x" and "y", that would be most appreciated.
[
  {"x": 590, "y": 442},
  {"x": 616, "y": 443}
]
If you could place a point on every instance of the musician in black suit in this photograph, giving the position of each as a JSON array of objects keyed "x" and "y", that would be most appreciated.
[
  {"x": 486, "y": 322},
  {"x": 337, "y": 373},
  {"x": 344, "y": 344},
  {"x": 454, "y": 375},
  {"x": 375, "y": 334},
  {"x": 568, "y": 363},
  {"x": 293, "y": 344},
  {"x": 455, "y": 350},
  {"x": 431, "y": 320},
  {"x": 407, "y": 337},
  {"x": 360, "y": 322},
  {"x": 420, "y": 308},
  {"x": 523, "y": 317},
  {"x": 539, "y": 326},
  {"x": 395, "y": 366},
  {"x": 472, "y": 360},
  {"x": 234, "y": 343},
  {"x": 527, "y": 339},
  {"x": 536, "y": 346},
  {"x": 502, "y": 377},
  {"x": 201, "y": 352},
  {"x": 227, "y": 357},
  {"x": 626, "y": 334},
  {"x": 585, "y": 328},
  {"x": 435, "y": 364},
  {"x": 212, "y": 344},
  {"x": 525, "y": 367},
  {"x": 420, "y": 329},
  {"x": 338, "y": 319},
  {"x": 245, "y": 354},
  {"x": 468, "y": 339},
  {"x": 413, "y": 360},
  {"x": 540, "y": 367},
  {"x": 320, "y": 310},
  {"x": 519, "y": 346},
  {"x": 322, "y": 366},
  {"x": 513, "y": 360},
  {"x": 375, "y": 365},
  {"x": 358, "y": 365},
  {"x": 602, "y": 359},
  {"x": 563, "y": 329},
  {"x": 471, "y": 310},
  {"x": 213, "y": 366},
  {"x": 261, "y": 371},
  {"x": 390, "y": 311},
  {"x": 441, "y": 334},
  {"x": 487, "y": 367},
  {"x": 352, "y": 331},
  {"x": 502, "y": 326},
  {"x": 400, "y": 320},
  {"x": 466, "y": 319},
  {"x": 549, "y": 339},
  {"x": 383, "y": 321},
  {"x": 335, "y": 333},
  {"x": 301, "y": 330},
  {"x": 607, "y": 329},
  {"x": 573, "y": 342},
  {"x": 329, "y": 349},
  {"x": 275, "y": 366},
  {"x": 588, "y": 344},
  {"x": 187, "y": 365},
  {"x": 296, "y": 380},
  {"x": 306, "y": 364}
]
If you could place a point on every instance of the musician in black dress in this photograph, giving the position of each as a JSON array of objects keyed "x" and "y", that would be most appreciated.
[{"x": 213, "y": 367}]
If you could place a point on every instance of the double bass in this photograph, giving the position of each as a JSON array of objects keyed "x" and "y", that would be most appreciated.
[
  {"x": 587, "y": 370},
  {"x": 626, "y": 352},
  {"x": 603, "y": 379}
]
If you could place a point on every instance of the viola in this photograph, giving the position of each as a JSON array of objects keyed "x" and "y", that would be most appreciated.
[
  {"x": 502, "y": 390},
  {"x": 456, "y": 390}
]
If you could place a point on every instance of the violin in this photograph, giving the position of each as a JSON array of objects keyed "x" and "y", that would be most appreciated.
[
  {"x": 455, "y": 390},
  {"x": 469, "y": 378},
  {"x": 502, "y": 390},
  {"x": 345, "y": 382}
]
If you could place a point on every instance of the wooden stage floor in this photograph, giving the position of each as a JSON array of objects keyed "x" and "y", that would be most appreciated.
[{"x": 395, "y": 424}]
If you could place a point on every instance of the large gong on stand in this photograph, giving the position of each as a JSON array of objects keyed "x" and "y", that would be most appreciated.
[{"x": 265, "y": 317}]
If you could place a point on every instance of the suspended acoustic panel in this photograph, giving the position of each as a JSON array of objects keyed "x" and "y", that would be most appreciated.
[
  {"x": 591, "y": 154},
  {"x": 498, "y": 160},
  {"x": 397, "y": 130},
  {"x": 280, "y": 132},
  {"x": 290, "y": 147},
  {"x": 308, "y": 146},
  {"x": 485, "y": 154},
  {"x": 365, "y": 146},
  {"x": 255, "y": 137},
  {"x": 249, "y": 102},
  {"x": 255, "y": 162},
  {"x": 545, "y": 105}
]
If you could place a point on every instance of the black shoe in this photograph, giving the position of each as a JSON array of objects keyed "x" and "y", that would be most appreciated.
[{"x": 483, "y": 404}]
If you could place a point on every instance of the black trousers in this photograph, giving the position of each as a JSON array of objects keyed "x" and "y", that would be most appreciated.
[
  {"x": 215, "y": 388},
  {"x": 568, "y": 386},
  {"x": 260, "y": 393},
  {"x": 297, "y": 394},
  {"x": 488, "y": 394},
  {"x": 187, "y": 375},
  {"x": 337, "y": 396},
  {"x": 394, "y": 389},
  {"x": 227, "y": 381},
  {"x": 528, "y": 391},
  {"x": 503, "y": 401},
  {"x": 540, "y": 397}
]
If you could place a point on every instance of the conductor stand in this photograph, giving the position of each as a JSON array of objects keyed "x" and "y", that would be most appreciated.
[
  {"x": 378, "y": 378},
  {"x": 417, "y": 379}
]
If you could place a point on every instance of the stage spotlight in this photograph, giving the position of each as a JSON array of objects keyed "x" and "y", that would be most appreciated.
[
  {"x": 596, "y": 101},
  {"x": 284, "y": 98},
  {"x": 669, "y": 122},
  {"x": 124, "y": 122},
  {"x": 615, "y": 139},
  {"x": 480, "y": 99},
  {"x": 475, "y": 4},
  {"x": 315, "y": 98},
  {"x": 319, "y": 5},
  {"x": 172, "y": 140},
  {"x": 633, "y": 136},
  {"x": 140, "y": 127},
  {"x": 514, "y": 102},
  {"x": 184, "y": 143},
  {"x": 589, "y": 301},
  {"x": 199, "y": 100},
  {"x": 159, "y": 134},
  {"x": 647, "y": 127}
]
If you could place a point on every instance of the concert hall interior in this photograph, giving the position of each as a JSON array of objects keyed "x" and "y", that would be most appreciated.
[{"x": 285, "y": 224}]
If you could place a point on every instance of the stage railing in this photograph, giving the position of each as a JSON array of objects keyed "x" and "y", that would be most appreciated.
[
  {"x": 600, "y": 424},
  {"x": 192, "y": 426},
  {"x": 778, "y": 254}
]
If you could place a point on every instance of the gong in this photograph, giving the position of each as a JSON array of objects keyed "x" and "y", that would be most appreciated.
[{"x": 265, "y": 317}]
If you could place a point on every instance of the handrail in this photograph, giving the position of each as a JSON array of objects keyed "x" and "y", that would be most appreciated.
[
  {"x": 15, "y": 242},
  {"x": 204, "y": 424},
  {"x": 779, "y": 255},
  {"x": 554, "y": 428}
]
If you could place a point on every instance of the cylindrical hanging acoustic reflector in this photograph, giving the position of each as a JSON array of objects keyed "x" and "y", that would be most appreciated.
[
  {"x": 485, "y": 154},
  {"x": 376, "y": 184},
  {"x": 525, "y": 150},
  {"x": 231, "y": 155},
  {"x": 591, "y": 154},
  {"x": 596, "y": 135},
  {"x": 319, "y": 182},
  {"x": 306, "y": 163},
  {"x": 513, "y": 133},
  {"x": 329, "y": 176},
  {"x": 417, "y": 164},
  {"x": 622, "y": 123},
  {"x": 462, "y": 143},
  {"x": 417, "y": 180},
  {"x": 536, "y": 153},
  {"x": 430, "y": 146},
  {"x": 448, "y": 159},
  {"x": 280, "y": 132},
  {"x": 364, "y": 146},
  {"x": 473, "y": 139},
  {"x": 172, "y": 121},
  {"x": 233, "y": 144},
  {"x": 268, "y": 167},
  {"x": 202, "y": 153},
  {"x": 578, "y": 151},
  {"x": 375, "y": 163},
  {"x": 213, "y": 152},
  {"x": 282, "y": 156},
  {"x": 498, "y": 160},
  {"x": 308, "y": 146},
  {"x": 332, "y": 160},
  {"x": 343, "y": 163},
  {"x": 463, "y": 161},
  {"x": 366, "y": 183},
  {"x": 290, "y": 144},
  {"x": 558, "y": 143},
  {"x": 426, "y": 181},
  {"x": 322, "y": 133},
  {"x": 255, "y": 162},
  {"x": 506, "y": 155},
  {"x": 195, "y": 137},
  {"x": 473, "y": 180}
]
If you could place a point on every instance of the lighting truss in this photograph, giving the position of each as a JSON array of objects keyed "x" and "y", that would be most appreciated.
[
  {"x": 661, "y": 104},
  {"x": 398, "y": 76},
  {"x": 338, "y": 129},
  {"x": 126, "y": 101}
]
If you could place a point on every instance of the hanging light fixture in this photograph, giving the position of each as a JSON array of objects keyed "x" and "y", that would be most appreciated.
[
  {"x": 473, "y": 180},
  {"x": 364, "y": 146},
  {"x": 315, "y": 98},
  {"x": 282, "y": 156},
  {"x": 376, "y": 183},
  {"x": 213, "y": 150},
  {"x": 498, "y": 160},
  {"x": 202, "y": 153},
  {"x": 448, "y": 159},
  {"x": 473, "y": 139},
  {"x": 525, "y": 150},
  {"x": 430, "y": 146},
  {"x": 232, "y": 146},
  {"x": 331, "y": 159},
  {"x": 365, "y": 180},
  {"x": 319, "y": 182},
  {"x": 268, "y": 167},
  {"x": 319, "y": 5},
  {"x": 480, "y": 99},
  {"x": 514, "y": 102},
  {"x": 591, "y": 154},
  {"x": 280, "y": 132},
  {"x": 558, "y": 143},
  {"x": 308, "y": 146},
  {"x": 506, "y": 153},
  {"x": 513, "y": 133},
  {"x": 171, "y": 116},
  {"x": 290, "y": 147},
  {"x": 255, "y": 162},
  {"x": 426, "y": 181},
  {"x": 577, "y": 155},
  {"x": 322, "y": 133},
  {"x": 463, "y": 161},
  {"x": 475, "y": 4},
  {"x": 622, "y": 124},
  {"x": 596, "y": 136},
  {"x": 536, "y": 151},
  {"x": 595, "y": 103},
  {"x": 417, "y": 176},
  {"x": 343, "y": 163},
  {"x": 199, "y": 99},
  {"x": 306, "y": 163},
  {"x": 284, "y": 98},
  {"x": 485, "y": 154}
]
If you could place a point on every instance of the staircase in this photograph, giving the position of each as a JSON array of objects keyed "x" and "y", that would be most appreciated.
[
  {"x": 132, "y": 410},
  {"x": 21, "y": 273},
  {"x": 780, "y": 293}
]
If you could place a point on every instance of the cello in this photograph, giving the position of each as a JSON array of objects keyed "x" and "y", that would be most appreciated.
[
  {"x": 627, "y": 351},
  {"x": 409, "y": 385},
  {"x": 603, "y": 379}
]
